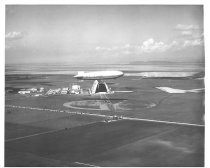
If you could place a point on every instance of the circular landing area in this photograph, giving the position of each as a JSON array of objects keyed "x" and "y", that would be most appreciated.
[{"x": 95, "y": 105}]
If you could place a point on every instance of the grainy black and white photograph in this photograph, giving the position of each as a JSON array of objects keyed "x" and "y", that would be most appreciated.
[{"x": 104, "y": 85}]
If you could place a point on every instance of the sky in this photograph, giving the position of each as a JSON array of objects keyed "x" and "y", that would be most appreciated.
[{"x": 81, "y": 34}]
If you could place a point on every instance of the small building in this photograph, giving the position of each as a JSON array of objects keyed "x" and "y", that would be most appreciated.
[
  {"x": 36, "y": 95},
  {"x": 75, "y": 87},
  {"x": 41, "y": 89},
  {"x": 33, "y": 89},
  {"x": 24, "y": 91},
  {"x": 75, "y": 91},
  {"x": 64, "y": 92},
  {"x": 56, "y": 91},
  {"x": 49, "y": 92}
]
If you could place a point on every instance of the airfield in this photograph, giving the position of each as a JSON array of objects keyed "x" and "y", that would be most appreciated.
[{"x": 157, "y": 128}]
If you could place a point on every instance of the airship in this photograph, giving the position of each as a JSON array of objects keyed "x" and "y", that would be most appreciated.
[{"x": 98, "y": 75}]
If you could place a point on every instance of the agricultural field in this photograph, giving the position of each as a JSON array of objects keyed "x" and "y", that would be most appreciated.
[{"x": 69, "y": 130}]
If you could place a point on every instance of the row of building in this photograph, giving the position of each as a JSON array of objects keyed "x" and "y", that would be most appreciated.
[
  {"x": 75, "y": 89},
  {"x": 32, "y": 90}
]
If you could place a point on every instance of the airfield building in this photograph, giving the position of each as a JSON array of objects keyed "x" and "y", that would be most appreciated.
[
  {"x": 33, "y": 90},
  {"x": 57, "y": 91},
  {"x": 24, "y": 91},
  {"x": 99, "y": 87},
  {"x": 75, "y": 89},
  {"x": 49, "y": 92},
  {"x": 41, "y": 89},
  {"x": 64, "y": 90}
]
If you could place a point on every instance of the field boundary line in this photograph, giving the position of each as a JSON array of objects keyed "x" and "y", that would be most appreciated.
[
  {"x": 102, "y": 115},
  {"x": 166, "y": 122},
  {"x": 28, "y": 136}
]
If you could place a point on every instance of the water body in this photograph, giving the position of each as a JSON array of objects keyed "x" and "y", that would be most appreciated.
[{"x": 127, "y": 68}]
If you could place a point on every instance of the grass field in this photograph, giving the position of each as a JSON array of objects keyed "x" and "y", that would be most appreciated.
[
  {"x": 122, "y": 143},
  {"x": 49, "y": 138}
]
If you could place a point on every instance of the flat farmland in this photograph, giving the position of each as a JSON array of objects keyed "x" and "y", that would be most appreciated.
[
  {"x": 41, "y": 131},
  {"x": 147, "y": 144}
]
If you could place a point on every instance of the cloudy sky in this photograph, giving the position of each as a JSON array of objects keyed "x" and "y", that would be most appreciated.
[{"x": 103, "y": 34}]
